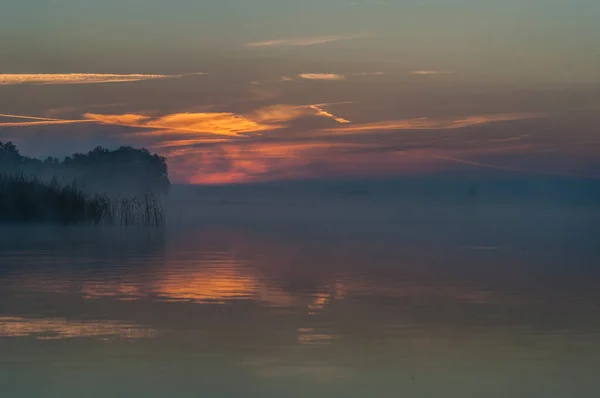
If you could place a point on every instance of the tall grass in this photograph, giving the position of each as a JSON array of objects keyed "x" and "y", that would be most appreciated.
[{"x": 28, "y": 199}]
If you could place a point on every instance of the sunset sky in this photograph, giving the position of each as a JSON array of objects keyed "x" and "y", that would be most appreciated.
[{"x": 257, "y": 90}]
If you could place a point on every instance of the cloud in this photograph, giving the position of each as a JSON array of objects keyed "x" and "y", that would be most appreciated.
[
  {"x": 248, "y": 161},
  {"x": 203, "y": 123},
  {"x": 430, "y": 72},
  {"x": 322, "y": 76},
  {"x": 218, "y": 123},
  {"x": 79, "y": 78},
  {"x": 186, "y": 142},
  {"x": 279, "y": 113},
  {"x": 321, "y": 112},
  {"x": 299, "y": 42},
  {"x": 285, "y": 113},
  {"x": 433, "y": 124}
]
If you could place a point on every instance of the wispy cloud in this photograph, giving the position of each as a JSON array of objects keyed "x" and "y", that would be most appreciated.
[
  {"x": 303, "y": 41},
  {"x": 279, "y": 113},
  {"x": 190, "y": 142},
  {"x": 79, "y": 78},
  {"x": 201, "y": 123},
  {"x": 286, "y": 113},
  {"x": 433, "y": 124},
  {"x": 218, "y": 123},
  {"x": 430, "y": 72},
  {"x": 248, "y": 161},
  {"x": 322, "y": 112},
  {"x": 322, "y": 76}
]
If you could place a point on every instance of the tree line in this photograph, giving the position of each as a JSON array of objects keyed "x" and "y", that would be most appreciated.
[
  {"x": 126, "y": 171},
  {"x": 121, "y": 186}
]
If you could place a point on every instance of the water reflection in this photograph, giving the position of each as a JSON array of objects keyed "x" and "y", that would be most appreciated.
[
  {"x": 266, "y": 308},
  {"x": 229, "y": 267},
  {"x": 56, "y": 328}
]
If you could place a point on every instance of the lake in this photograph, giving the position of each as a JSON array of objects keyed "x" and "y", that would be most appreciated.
[{"x": 306, "y": 296}]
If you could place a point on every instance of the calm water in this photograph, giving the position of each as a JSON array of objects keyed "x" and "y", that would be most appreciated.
[{"x": 255, "y": 300}]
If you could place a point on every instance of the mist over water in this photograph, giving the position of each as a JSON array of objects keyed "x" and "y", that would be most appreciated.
[{"x": 292, "y": 291}]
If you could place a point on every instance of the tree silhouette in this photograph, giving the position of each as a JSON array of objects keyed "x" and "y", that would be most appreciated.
[{"x": 124, "y": 171}]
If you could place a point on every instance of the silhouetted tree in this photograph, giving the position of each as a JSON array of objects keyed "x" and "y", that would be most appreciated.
[
  {"x": 131, "y": 170},
  {"x": 125, "y": 171},
  {"x": 10, "y": 159}
]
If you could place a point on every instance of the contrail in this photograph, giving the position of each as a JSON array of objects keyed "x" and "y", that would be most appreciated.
[
  {"x": 38, "y": 121},
  {"x": 491, "y": 166},
  {"x": 80, "y": 78}
]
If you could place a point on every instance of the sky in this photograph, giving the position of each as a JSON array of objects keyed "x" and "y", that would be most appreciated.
[{"x": 256, "y": 90}]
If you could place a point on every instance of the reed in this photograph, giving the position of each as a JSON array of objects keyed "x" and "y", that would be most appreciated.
[{"x": 29, "y": 199}]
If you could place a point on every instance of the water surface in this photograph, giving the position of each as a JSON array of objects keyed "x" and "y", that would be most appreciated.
[{"x": 254, "y": 300}]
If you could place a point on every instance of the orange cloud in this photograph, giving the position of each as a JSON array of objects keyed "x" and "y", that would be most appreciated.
[
  {"x": 127, "y": 119},
  {"x": 222, "y": 123},
  {"x": 78, "y": 78},
  {"x": 217, "y": 123},
  {"x": 185, "y": 142},
  {"x": 209, "y": 123},
  {"x": 433, "y": 124},
  {"x": 322, "y": 76}
]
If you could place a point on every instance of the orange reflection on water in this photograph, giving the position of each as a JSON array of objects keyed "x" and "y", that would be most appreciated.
[
  {"x": 224, "y": 284},
  {"x": 206, "y": 285},
  {"x": 58, "y": 328},
  {"x": 312, "y": 336},
  {"x": 319, "y": 301},
  {"x": 226, "y": 279},
  {"x": 118, "y": 290}
]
